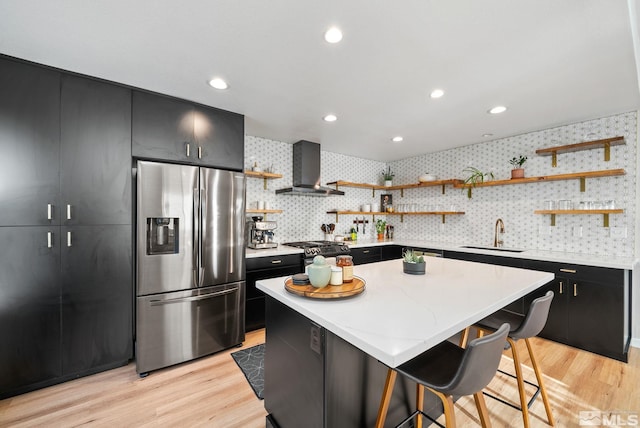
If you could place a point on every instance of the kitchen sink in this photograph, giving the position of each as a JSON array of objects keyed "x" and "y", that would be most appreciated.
[{"x": 508, "y": 250}]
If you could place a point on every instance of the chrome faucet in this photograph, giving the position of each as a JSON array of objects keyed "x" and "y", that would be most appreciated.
[{"x": 499, "y": 229}]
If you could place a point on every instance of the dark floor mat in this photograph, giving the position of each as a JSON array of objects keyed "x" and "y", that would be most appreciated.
[{"x": 251, "y": 362}]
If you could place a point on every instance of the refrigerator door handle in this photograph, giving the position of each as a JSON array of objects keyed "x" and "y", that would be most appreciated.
[
  {"x": 203, "y": 215},
  {"x": 194, "y": 298},
  {"x": 196, "y": 236}
]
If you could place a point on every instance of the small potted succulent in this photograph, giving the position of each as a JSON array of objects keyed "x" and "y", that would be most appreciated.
[
  {"x": 388, "y": 177},
  {"x": 518, "y": 170},
  {"x": 412, "y": 263},
  {"x": 381, "y": 225}
]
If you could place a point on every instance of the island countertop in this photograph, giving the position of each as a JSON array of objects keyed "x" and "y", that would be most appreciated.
[{"x": 399, "y": 316}]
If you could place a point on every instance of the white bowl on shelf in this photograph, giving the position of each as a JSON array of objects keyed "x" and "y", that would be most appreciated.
[{"x": 425, "y": 178}]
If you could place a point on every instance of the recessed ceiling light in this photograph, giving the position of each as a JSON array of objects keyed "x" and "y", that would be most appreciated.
[
  {"x": 437, "y": 93},
  {"x": 333, "y": 35},
  {"x": 330, "y": 118},
  {"x": 218, "y": 83},
  {"x": 498, "y": 109},
  {"x": 487, "y": 135},
  {"x": 397, "y": 139}
]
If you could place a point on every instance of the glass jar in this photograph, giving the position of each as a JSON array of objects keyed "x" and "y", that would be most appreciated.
[{"x": 346, "y": 263}]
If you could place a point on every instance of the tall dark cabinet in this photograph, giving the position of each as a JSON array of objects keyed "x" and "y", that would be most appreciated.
[
  {"x": 96, "y": 255},
  {"x": 65, "y": 225},
  {"x": 29, "y": 144}
]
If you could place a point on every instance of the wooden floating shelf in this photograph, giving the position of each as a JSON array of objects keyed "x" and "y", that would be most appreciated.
[
  {"x": 605, "y": 214},
  {"x": 582, "y": 176},
  {"x": 252, "y": 211},
  {"x": 401, "y": 214},
  {"x": 605, "y": 144},
  {"x": 400, "y": 187},
  {"x": 262, "y": 174},
  {"x": 265, "y": 212},
  {"x": 265, "y": 175}
]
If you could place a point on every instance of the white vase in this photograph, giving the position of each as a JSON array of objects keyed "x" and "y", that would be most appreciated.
[{"x": 388, "y": 183}]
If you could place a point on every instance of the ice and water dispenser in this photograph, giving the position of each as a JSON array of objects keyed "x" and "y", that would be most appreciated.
[{"x": 162, "y": 235}]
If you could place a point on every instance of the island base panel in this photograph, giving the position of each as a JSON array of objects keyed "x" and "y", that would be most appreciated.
[{"x": 313, "y": 378}]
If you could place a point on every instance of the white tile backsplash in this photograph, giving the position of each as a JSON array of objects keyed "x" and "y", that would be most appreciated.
[{"x": 303, "y": 215}]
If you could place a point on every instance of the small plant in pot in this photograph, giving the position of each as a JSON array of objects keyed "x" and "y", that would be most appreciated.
[
  {"x": 412, "y": 263},
  {"x": 380, "y": 228},
  {"x": 476, "y": 176},
  {"x": 516, "y": 163},
  {"x": 387, "y": 175}
]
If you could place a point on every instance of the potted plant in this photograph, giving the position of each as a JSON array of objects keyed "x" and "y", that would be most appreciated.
[
  {"x": 388, "y": 176},
  {"x": 412, "y": 263},
  {"x": 354, "y": 234},
  {"x": 476, "y": 177},
  {"x": 518, "y": 170},
  {"x": 380, "y": 228}
]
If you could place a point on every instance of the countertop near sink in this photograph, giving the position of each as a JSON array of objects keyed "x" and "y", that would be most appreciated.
[{"x": 544, "y": 255}]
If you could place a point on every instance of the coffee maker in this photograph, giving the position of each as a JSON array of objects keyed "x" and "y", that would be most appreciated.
[{"x": 260, "y": 233}]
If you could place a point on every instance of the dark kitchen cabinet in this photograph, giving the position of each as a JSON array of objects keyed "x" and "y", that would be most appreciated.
[
  {"x": 264, "y": 268},
  {"x": 176, "y": 130},
  {"x": 95, "y": 155},
  {"x": 220, "y": 134},
  {"x": 29, "y": 308},
  {"x": 96, "y": 298},
  {"x": 68, "y": 282},
  {"x": 364, "y": 255},
  {"x": 29, "y": 143},
  {"x": 390, "y": 252},
  {"x": 588, "y": 309}
]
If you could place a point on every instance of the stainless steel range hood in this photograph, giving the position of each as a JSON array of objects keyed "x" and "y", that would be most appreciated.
[{"x": 306, "y": 172}]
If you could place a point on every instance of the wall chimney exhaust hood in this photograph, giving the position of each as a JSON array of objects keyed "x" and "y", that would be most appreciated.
[{"x": 306, "y": 172}]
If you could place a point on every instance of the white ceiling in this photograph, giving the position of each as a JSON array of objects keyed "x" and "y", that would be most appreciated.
[{"x": 550, "y": 62}]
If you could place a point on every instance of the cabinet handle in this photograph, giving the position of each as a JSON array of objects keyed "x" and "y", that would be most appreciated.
[
  {"x": 69, "y": 239},
  {"x": 365, "y": 252},
  {"x": 68, "y": 211},
  {"x": 199, "y": 152},
  {"x": 568, "y": 270},
  {"x": 188, "y": 150},
  {"x": 575, "y": 289},
  {"x": 561, "y": 287},
  {"x": 49, "y": 212},
  {"x": 275, "y": 262},
  {"x": 49, "y": 240}
]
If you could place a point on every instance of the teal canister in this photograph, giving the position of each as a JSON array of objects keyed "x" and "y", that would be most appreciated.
[{"x": 319, "y": 272}]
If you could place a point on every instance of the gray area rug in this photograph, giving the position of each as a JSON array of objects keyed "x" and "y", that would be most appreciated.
[{"x": 251, "y": 362}]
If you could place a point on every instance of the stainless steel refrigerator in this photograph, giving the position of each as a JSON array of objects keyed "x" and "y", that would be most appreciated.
[{"x": 190, "y": 263}]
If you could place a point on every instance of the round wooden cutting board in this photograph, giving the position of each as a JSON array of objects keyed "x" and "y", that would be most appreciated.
[{"x": 347, "y": 289}]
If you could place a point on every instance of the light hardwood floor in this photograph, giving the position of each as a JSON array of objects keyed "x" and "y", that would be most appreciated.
[{"x": 212, "y": 392}]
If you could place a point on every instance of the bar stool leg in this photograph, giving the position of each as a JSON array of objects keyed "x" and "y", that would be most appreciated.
[
  {"x": 386, "y": 397},
  {"x": 523, "y": 397},
  {"x": 543, "y": 391},
  {"x": 464, "y": 338},
  {"x": 419, "y": 403},
  {"x": 447, "y": 403},
  {"x": 478, "y": 397}
]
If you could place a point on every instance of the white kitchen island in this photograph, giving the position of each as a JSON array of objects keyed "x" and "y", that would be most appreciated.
[{"x": 326, "y": 360}]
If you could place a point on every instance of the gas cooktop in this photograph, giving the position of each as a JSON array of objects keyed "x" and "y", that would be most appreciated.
[{"x": 320, "y": 248}]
